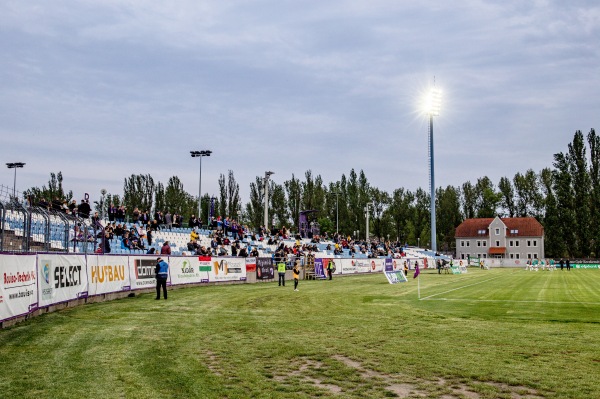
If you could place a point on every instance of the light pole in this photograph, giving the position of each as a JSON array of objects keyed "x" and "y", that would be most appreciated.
[
  {"x": 200, "y": 154},
  {"x": 337, "y": 213},
  {"x": 15, "y": 165},
  {"x": 266, "y": 180},
  {"x": 433, "y": 109},
  {"x": 367, "y": 211}
]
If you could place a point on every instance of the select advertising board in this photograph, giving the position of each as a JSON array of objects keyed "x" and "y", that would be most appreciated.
[
  {"x": 107, "y": 274},
  {"x": 227, "y": 269},
  {"x": 18, "y": 287},
  {"x": 61, "y": 278},
  {"x": 142, "y": 272}
]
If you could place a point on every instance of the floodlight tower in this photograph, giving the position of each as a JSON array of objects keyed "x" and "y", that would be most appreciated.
[
  {"x": 200, "y": 154},
  {"x": 15, "y": 166},
  {"x": 432, "y": 109}
]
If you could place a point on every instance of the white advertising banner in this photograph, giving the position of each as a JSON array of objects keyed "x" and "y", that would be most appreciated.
[
  {"x": 18, "y": 288},
  {"x": 363, "y": 266},
  {"x": 107, "y": 274},
  {"x": 142, "y": 271},
  {"x": 228, "y": 269},
  {"x": 61, "y": 278},
  {"x": 187, "y": 270}
]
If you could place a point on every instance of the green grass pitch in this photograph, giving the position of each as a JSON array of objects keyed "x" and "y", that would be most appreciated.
[{"x": 500, "y": 333}]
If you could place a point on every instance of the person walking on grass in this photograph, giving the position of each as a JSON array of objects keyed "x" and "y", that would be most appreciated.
[
  {"x": 568, "y": 265},
  {"x": 281, "y": 271},
  {"x": 162, "y": 272},
  {"x": 296, "y": 271}
]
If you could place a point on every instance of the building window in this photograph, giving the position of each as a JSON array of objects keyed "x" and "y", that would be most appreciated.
[
  {"x": 497, "y": 243},
  {"x": 517, "y": 256},
  {"x": 528, "y": 243},
  {"x": 516, "y": 243},
  {"x": 462, "y": 256},
  {"x": 484, "y": 256},
  {"x": 468, "y": 243},
  {"x": 534, "y": 256},
  {"x": 481, "y": 232},
  {"x": 462, "y": 243},
  {"x": 528, "y": 256},
  {"x": 512, "y": 256},
  {"x": 535, "y": 243},
  {"x": 514, "y": 232},
  {"x": 510, "y": 243},
  {"x": 497, "y": 232},
  {"x": 484, "y": 243},
  {"x": 478, "y": 243}
]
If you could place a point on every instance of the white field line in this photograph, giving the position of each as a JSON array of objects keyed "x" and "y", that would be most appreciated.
[
  {"x": 511, "y": 301},
  {"x": 464, "y": 286}
]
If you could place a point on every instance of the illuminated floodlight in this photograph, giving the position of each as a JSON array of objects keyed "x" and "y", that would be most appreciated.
[{"x": 432, "y": 102}]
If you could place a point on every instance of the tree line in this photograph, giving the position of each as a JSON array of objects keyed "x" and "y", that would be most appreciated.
[{"x": 565, "y": 198}]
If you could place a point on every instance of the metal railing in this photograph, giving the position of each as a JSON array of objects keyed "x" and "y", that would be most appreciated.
[{"x": 25, "y": 228}]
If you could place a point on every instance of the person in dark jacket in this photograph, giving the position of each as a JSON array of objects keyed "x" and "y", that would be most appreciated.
[{"x": 162, "y": 272}]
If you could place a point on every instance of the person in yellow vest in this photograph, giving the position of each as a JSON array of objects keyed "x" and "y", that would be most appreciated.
[
  {"x": 405, "y": 269},
  {"x": 330, "y": 268},
  {"x": 281, "y": 271},
  {"x": 296, "y": 271}
]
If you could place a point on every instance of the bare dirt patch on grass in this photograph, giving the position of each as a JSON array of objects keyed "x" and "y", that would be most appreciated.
[{"x": 402, "y": 387}]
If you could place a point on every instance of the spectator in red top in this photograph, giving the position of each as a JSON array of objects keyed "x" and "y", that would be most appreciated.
[{"x": 166, "y": 249}]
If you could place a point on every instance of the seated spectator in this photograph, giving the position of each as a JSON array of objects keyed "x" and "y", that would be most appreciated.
[
  {"x": 194, "y": 235},
  {"x": 151, "y": 251},
  {"x": 125, "y": 242},
  {"x": 166, "y": 249},
  {"x": 243, "y": 252}
]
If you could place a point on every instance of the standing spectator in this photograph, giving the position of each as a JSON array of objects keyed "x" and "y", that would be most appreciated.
[
  {"x": 169, "y": 220},
  {"x": 84, "y": 209},
  {"x": 144, "y": 218},
  {"x": 166, "y": 249},
  {"x": 112, "y": 212},
  {"x": 162, "y": 272},
  {"x": 296, "y": 271},
  {"x": 121, "y": 214},
  {"x": 562, "y": 264},
  {"x": 568, "y": 265},
  {"x": 281, "y": 271},
  {"x": 192, "y": 222},
  {"x": 136, "y": 215},
  {"x": 73, "y": 207}
]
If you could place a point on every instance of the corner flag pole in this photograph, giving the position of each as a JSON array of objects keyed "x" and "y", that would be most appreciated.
[{"x": 419, "y": 286}]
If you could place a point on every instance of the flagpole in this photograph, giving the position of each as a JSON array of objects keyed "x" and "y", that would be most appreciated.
[{"x": 419, "y": 285}]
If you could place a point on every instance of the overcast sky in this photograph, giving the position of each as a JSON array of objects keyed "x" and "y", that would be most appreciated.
[{"x": 104, "y": 89}]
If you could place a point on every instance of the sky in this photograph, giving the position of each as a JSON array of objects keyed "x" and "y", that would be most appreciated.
[{"x": 101, "y": 90}]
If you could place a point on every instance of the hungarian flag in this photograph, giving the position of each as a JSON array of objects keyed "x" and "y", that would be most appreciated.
[{"x": 417, "y": 271}]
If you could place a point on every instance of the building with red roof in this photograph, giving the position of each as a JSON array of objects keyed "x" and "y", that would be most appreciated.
[{"x": 508, "y": 238}]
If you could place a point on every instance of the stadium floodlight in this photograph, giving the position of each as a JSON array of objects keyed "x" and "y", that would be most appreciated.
[
  {"x": 200, "y": 154},
  {"x": 266, "y": 180},
  {"x": 432, "y": 108},
  {"x": 15, "y": 166}
]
